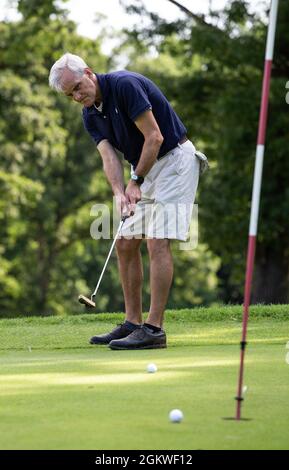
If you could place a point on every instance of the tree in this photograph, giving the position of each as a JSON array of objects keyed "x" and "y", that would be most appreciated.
[
  {"x": 43, "y": 146},
  {"x": 214, "y": 78}
]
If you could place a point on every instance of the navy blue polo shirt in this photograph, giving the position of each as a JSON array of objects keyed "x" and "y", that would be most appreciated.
[{"x": 126, "y": 95}]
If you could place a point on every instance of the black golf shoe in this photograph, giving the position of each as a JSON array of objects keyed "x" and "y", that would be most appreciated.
[
  {"x": 141, "y": 338},
  {"x": 121, "y": 331}
]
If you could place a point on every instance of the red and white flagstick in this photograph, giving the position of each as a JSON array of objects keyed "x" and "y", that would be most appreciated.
[{"x": 257, "y": 192}]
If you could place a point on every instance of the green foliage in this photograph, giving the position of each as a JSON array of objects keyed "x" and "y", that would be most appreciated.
[
  {"x": 195, "y": 281},
  {"x": 51, "y": 174},
  {"x": 48, "y": 165},
  {"x": 213, "y": 76},
  {"x": 17, "y": 192},
  {"x": 41, "y": 10}
]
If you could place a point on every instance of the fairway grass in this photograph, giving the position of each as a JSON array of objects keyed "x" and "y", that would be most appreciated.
[{"x": 58, "y": 392}]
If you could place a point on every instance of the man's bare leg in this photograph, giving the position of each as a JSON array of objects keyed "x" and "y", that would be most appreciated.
[
  {"x": 131, "y": 274},
  {"x": 161, "y": 276}
]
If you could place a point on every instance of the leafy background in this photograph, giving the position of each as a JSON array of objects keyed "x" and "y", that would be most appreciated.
[{"x": 210, "y": 68}]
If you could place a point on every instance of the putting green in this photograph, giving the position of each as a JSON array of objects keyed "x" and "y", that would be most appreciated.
[{"x": 57, "y": 392}]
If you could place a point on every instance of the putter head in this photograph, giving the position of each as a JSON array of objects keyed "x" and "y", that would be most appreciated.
[{"x": 86, "y": 301}]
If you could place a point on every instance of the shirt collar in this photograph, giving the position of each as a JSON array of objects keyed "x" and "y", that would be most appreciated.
[{"x": 99, "y": 108}]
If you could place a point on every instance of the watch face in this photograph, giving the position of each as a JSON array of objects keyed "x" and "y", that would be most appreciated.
[{"x": 137, "y": 179}]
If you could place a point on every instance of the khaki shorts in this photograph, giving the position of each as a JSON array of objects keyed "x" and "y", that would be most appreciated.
[{"x": 168, "y": 196}]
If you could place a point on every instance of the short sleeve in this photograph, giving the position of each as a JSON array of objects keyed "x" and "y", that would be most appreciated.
[
  {"x": 132, "y": 96},
  {"x": 92, "y": 129}
]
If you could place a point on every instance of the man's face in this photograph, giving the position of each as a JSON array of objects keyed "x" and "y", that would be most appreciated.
[{"x": 82, "y": 90}]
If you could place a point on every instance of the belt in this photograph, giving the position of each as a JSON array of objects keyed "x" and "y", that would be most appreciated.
[{"x": 182, "y": 141}]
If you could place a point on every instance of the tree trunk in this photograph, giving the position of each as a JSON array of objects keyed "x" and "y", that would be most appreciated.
[{"x": 271, "y": 277}]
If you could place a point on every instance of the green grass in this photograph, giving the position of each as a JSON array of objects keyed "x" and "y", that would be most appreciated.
[{"x": 57, "y": 392}]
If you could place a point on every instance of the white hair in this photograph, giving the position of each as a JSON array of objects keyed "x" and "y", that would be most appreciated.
[{"x": 68, "y": 61}]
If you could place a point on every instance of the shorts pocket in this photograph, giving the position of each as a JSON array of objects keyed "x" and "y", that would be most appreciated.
[{"x": 179, "y": 162}]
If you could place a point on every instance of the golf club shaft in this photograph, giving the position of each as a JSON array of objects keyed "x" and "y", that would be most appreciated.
[{"x": 108, "y": 257}]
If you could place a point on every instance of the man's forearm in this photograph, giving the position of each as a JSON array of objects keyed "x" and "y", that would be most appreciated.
[
  {"x": 149, "y": 155},
  {"x": 113, "y": 167},
  {"x": 114, "y": 172}
]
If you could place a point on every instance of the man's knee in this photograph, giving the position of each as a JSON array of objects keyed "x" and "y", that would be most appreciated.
[
  {"x": 127, "y": 247},
  {"x": 158, "y": 247}
]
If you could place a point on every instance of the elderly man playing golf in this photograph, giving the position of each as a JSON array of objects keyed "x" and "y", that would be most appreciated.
[{"x": 126, "y": 112}]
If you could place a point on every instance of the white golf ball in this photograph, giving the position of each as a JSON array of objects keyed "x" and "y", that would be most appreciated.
[
  {"x": 176, "y": 416},
  {"x": 151, "y": 368}
]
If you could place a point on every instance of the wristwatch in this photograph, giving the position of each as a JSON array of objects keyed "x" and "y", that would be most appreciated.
[{"x": 137, "y": 179}]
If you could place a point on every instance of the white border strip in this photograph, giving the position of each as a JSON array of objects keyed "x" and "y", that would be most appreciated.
[
  {"x": 257, "y": 190},
  {"x": 272, "y": 30}
]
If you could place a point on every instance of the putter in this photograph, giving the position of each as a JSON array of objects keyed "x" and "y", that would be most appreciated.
[{"x": 90, "y": 303}]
